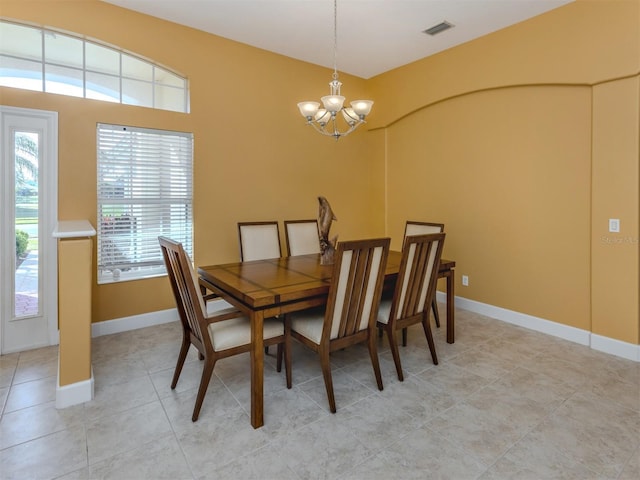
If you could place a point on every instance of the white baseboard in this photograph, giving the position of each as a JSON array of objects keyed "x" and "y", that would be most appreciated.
[
  {"x": 615, "y": 347},
  {"x": 577, "y": 335},
  {"x": 148, "y": 319},
  {"x": 134, "y": 322},
  {"x": 75, "y": 393}
]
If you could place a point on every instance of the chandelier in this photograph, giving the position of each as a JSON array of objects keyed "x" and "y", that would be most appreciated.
[{"x": 327, "y": 120}]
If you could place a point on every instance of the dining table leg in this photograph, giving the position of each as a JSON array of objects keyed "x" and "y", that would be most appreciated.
[
  {"x": 257, "y": 369},
  {"x": 450, "y": 306}
]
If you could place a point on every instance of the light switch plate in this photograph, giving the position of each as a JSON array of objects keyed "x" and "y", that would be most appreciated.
[{"x": 614, "y": 225}]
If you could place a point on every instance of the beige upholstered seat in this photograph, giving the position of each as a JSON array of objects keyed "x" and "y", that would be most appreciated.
[
  {"x": 222, "y": 333},
  {"x": 414, "y": 291},
  {"x": 302, "y": 237},
  {"x": 351, "y": 310},
  {"x": 259, "y": 240}
]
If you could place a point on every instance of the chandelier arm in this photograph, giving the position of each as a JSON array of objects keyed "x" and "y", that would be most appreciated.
[
  {"x": 319, "y": 128},
  {"x": 334, "y": 132}
]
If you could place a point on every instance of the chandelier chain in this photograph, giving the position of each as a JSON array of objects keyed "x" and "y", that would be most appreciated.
[{"x": 335, "y": 39}]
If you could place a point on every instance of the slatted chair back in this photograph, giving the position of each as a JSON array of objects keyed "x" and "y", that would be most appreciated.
[
  {"x": 421, "y": 228},
  {"x": 413, "y": 227},
  {"x": 302, "y": 237},
  {"x": 259, "y": 240},
  {"x": 418, "y": 275},
  {"x": 356, "y": 287},
  {"x": 351, "y": 311},
  {"x": 189, "y": 301},
  {"x": 414, "y": 292}
]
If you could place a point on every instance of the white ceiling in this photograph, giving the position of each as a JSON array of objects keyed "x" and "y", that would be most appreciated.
[{"x": 374, "y": 36}]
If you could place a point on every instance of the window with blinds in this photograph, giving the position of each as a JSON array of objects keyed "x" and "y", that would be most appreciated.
[{"x": 144, "y": 191}]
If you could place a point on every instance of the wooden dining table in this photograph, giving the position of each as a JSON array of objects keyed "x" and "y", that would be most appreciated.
[{"x": 267, "y": 288}]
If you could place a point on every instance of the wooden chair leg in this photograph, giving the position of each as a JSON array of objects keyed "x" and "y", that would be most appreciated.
[
  {"x": 184, "y": 349},
  {"x": 204, "y": 384},
  {"x": 427, "y": 331},
  {"x": 328, "y": 381},
  {"x": 404, "y": 337},
  {"x": 279, "y": 358},
  {"x": 436, "y": 315},
  {"x": 287, "y": 361},
  {"x": 287, "y": 351},
  {"x": 393, "y": 343},
  {"x": 373, "y": 353}
]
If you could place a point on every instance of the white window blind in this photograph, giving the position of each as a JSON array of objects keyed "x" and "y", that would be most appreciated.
[{"x": 144, "y": 191}]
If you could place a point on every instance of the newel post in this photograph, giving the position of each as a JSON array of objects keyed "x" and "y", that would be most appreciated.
[{"x": 75, "y": 376}]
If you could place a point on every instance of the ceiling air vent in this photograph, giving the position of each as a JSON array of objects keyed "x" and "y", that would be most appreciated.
[{"x": 440, "y": 27}]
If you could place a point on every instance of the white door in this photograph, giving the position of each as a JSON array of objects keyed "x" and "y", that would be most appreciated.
[{"x": 28, "y": 252}]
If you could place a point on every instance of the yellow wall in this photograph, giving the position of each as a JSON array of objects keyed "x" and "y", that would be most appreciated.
[
  {"x": 615, "y": 256},
  {"x": 498, "y": 180},
  {"x": 524, "y": 143},
  {"x": 507, "y": 140}
]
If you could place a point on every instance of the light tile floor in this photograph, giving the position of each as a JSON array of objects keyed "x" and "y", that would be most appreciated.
[{"x": 504, "y": 403}]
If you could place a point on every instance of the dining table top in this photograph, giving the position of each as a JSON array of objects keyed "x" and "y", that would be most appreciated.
[{"x": 260, "y": 284}]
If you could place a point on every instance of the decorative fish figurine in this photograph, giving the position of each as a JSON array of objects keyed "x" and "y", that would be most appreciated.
[{"x": 325, "y": 217}]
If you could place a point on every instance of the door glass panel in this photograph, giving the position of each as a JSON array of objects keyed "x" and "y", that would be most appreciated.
[{"x": 27, "y": 267}]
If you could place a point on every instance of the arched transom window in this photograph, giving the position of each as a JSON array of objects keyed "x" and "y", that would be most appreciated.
[{"x": 46, "y": 60}]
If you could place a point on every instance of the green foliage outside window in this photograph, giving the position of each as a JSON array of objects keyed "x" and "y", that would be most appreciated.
[{"x": 22, "y": 239}]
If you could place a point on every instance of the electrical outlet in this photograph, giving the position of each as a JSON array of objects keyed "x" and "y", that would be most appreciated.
[
  {"x": 465, "y": 280},
  {"x": 614, "y": 225}
]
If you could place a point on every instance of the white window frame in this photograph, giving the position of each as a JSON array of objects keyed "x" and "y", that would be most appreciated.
[
  {"x": 145, "y": 190},
  {"x": 31, "y": 65}
]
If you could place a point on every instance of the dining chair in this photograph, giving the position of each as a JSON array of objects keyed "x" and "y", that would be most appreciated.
[
  {"x": 259, "y": 240},
  {"x": 420, "y": 228},
  {"x": 351, "y": 311},
  {"x": 302, "y": 237},
  {"x": 217, "y": 335},
  {"x": 413, "y": 293}
]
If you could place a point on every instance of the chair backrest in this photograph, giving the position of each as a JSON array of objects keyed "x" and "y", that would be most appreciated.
[
  {"x": 356, "y": 287},
  {"x": 184, "y": 283},
  {"x": 302, "y": 237},
  {"x": 421, "y": 228},
  {"x": 259, "y": 240},
  {"x": 418, "y": 275}
]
